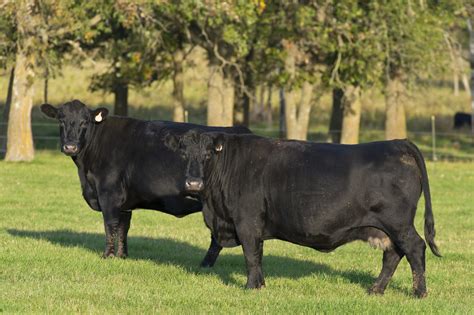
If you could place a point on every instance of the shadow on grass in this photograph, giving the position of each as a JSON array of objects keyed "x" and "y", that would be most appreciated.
[{"x": 169, "y": 251}]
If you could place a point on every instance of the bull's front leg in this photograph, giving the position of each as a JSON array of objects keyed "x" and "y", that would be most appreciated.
[
  {"x": 124, "y": 226},
  {"x": 253, "y": 252},
  {"x": 212, "y": 253}
]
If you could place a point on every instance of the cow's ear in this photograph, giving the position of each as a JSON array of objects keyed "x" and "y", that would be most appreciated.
[
  {"x": 100, "y": 114},
  {"x": 49, "y": 110},
  {"x": 219, "y": 143},
  {"x": 171, "y": 142}
]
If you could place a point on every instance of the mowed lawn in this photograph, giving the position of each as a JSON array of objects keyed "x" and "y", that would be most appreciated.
[{"x": 50, "y": 246}]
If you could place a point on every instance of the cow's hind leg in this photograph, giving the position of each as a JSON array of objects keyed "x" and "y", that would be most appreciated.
[
  {"x": 212, "y": 253},
  {"x": 253, "y": 252},
  {"x": 413, "y": 246},
  {"x": 124, "y": 226},
  {"x": 391, "y": 258}
]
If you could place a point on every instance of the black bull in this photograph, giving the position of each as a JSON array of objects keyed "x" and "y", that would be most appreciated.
[
  {"x": 123, "y": 164},
  {"x": 312, "y": 194}
]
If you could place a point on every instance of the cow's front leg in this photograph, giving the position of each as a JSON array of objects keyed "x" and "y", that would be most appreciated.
[
  {"x": 253, "y": 251},
  {"x": 111, "y": 213},
  {"x": 212, "y": 253},
  {"x": 124, "y": 226},
  {"x": 110, "y": 225}
]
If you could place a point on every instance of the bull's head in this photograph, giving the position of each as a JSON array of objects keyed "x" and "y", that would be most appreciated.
[{"x": 75, "y": 122}]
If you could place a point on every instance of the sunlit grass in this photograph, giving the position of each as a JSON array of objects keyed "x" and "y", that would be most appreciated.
[{"x": 50, "y": 243}]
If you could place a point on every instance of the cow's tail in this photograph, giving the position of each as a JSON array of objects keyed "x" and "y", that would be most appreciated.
[{"x": 429, "y": 219}]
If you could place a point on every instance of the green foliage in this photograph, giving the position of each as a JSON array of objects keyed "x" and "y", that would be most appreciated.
[
  {"x": 7, "y": 34},
  {"x": 412, "y": 38},
  {"x": 123, "y": 37}
]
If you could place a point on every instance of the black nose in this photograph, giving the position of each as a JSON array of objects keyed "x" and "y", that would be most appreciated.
[
  {"x": 194, "y": 184},
  {"x": 70, "y": 148}
]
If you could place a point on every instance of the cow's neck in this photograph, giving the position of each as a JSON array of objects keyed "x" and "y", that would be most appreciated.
[{"x": 89, "y": 153}]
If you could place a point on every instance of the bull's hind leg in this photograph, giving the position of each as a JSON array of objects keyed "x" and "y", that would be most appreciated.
[
  {"x": 391, "y": 258},
  {"x": 212, "y": 253},
  {"x": 413, "y": 246},
  {"x": 124, "y": 226}
]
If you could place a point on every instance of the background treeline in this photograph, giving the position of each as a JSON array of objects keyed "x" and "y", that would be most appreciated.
[{"x": 254, "y": 51}]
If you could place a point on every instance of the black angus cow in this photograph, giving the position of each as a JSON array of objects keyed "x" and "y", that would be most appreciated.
[
  {"x": 462, "y": 120},
  {"x": 312, "y": 194},
  {"x": 124, "y": 164}
]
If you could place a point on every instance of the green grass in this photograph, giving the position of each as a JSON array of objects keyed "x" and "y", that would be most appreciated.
[{"x": 50, "y": 246}]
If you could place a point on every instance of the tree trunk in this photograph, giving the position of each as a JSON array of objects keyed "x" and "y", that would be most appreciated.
[
  {"x": 282, "y": 122},
  {"x": 228, "y": 101},
  {"x": 351, "y": 115},
  {"x": 304, "y": 110},
  {"x": 471, "y": 62},
  {"x": 246, "y": 109},
  {"x": 6, "y": 112},
  {"x": 335, "y": 124},
  {"x": 456, "y": 83},
  {"x": 395, "y": 121},
  {"x": 19, "y": 136},
  {"x": 121, "y": 99},
  {"x": 268, "y": 108},
  {"x": 220, "y": 102},
  {"x": 297, "y": 115},
  {"x": 178, "y": 87},
  {"x": 46, "y": 86},
  {"x": 465, "y": 83}
]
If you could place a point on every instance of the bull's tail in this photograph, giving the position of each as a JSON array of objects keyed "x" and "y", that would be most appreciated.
[{"x": 429, "y": 219}]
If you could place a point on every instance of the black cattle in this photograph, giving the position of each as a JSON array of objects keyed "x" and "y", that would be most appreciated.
[
  {"x": 462, "y": 120},
  {"x": 123, "y": 164},
  {"x": 312, "y": 194}
]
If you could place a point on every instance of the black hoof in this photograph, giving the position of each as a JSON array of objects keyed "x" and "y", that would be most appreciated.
[
  {"x": 420, "y": 294},
  {"x": 207, "y": 264}
]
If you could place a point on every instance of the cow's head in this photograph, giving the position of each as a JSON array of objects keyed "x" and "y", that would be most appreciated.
[
  {"x": 198, "y": 149},
  {"x": 75, "y": 122}
]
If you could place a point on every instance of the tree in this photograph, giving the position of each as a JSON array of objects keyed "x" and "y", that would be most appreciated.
[
  {"x": 122, "y": 35},
  {"x": 226, "y": 31},
  {"x": 292, "y": 58},
  {"x": 19, "y": 137},
  {"x": 354, "y": 63},
  {"x": 414, "y": 47}
]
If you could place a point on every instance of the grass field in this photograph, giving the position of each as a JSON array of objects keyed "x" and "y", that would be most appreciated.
[{"x": 50, "y": 246}]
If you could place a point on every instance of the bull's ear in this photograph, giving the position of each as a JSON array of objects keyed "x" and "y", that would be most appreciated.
[
  {"x": 49, "y": 110},
  {"x": 171, "y": 142},
  {"x": 99, "y": 114}
]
